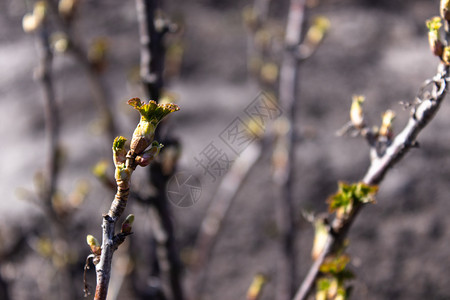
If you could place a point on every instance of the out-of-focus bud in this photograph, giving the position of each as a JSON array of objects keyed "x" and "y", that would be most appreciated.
[
  {"x": 445, "y": 9},
  {"x": 320, "y": 237},
  {"x": 98, "y": 52},
  {"x": 29, "y": 23},
  {"x": 151, "y": 114},
  {"x": 32, "y": 21},
  {"x": 250, "y": 17},
  {"x": 40, "y": 11},
  {"x": 269, "y": 73},
  {"x": 127, "y": 225},
  {"x": 119, "y": 151},
  {"x": 44, "y": 246},
  {"x": 446, "y": 55},
  {"x": 148, "y": 156},
  {"x": 255, "y": 290},
  {"x": 67, "y": 8},
  {"x": 263, "y": 38},
  {"x": 434, "y": 38},
  {"x": 79, "y": 194},
  {"x": 317, "y": 30},
  {"x": 356, "y": 111},
  {"x": 59, "y": 42},
  {"x": 94, "y": 244},
  {"x": 386, "y": 125},
  {"x": 99, "y": 170}
]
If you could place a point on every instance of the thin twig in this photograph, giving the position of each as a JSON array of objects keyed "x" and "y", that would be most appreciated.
[
  {"x": 421, "y": 115},
  {"x": 152, "y": 75},
  {"x": 98, "y": 90},
  {"x": 283, "y": 174}
]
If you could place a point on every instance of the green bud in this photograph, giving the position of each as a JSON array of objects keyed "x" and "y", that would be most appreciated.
[
  {"x": 151, "y": 114},
  {"x": 127, "y": 224},
  {"x": 446, "y": 55},
  {"x": 119, "y": 152},
  {"x": 434, "y": 38},
  {"x": 94, "y": 244},
  {"x": 148, "y": 156}
]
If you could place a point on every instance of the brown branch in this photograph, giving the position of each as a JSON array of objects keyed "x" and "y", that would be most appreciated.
[
  {"x": 51, "y": 114},
  {"x": 283, "y": 173},
  {"x": 152, "y": 48},
  {"x": 52, "y": 130},
  {"x": 152, "y": 76},
  {"x": 421, "y": 115}
]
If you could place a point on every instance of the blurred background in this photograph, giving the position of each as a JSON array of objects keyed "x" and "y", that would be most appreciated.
[{"x": 399, "y": 246}]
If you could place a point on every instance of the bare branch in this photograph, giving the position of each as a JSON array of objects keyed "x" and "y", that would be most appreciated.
[{"x": 283, "y": 173}]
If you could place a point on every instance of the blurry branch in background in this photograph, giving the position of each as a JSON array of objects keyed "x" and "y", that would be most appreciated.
[
  {"x": 153, "y": 27},
  {"x": 296, "y": 50},
  {"x": 92, "y": 61},
  {"x": 58, "y": 209},
  {"x": 263, "y": 45},
  {"x": 143, "y": 150},
  {"x": 219, "y": 206},
  {"x": 386, "y": 151},
  {"x": 4, "y": 293},
  {"x": 283, "y": 156}
]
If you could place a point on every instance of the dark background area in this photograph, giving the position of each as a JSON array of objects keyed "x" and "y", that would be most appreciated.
[{"x": 399, "y": 246}]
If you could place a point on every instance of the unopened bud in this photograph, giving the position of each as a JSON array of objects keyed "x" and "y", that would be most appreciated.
[
  {"x": 356, "y": 111},
  {"x": 40, "y": 11},
  {"x": 29, "y": 23},
  {"x": 59, "y": 42},
  {"x": 148, "y": 156},
  {"x": 386, "y": 125},
  {"x": 94, "y": 244},
  {"x": 127, "y": 224},
  {"x": 255, "y": 289},
  {"x": 119, "y": 152},
  {"x": 434, "y": 38},
  {"x": 320, "y": 237},
  {"x": 66, "y": 8},
  {"x": 317, "y": 31}
]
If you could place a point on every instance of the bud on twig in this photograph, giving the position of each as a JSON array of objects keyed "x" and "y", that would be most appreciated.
[
  {"x": 127, "y": 224},
  {"x": 33, "y": 21},
  {"x": 94, "y": 244},
  {"x": 151, "y": 114},
  {"x": 446, "y": 55},
  {"x": 386, "y": 125},
  {"x": 119, "y": 152},
  {"x": 148, "y": 156},
  {"x": 434, "y": 38},
  {"x": 321, "y": 230},
  {"x": 356, "y": 111},
  {"x": 255, "y": 290}
]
